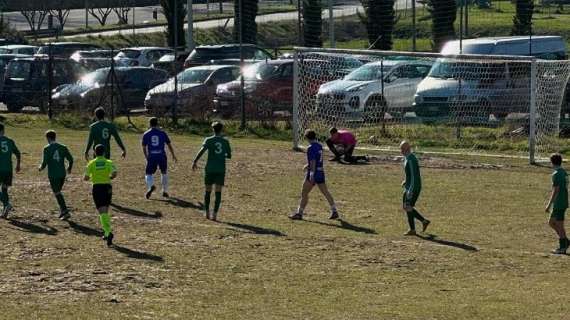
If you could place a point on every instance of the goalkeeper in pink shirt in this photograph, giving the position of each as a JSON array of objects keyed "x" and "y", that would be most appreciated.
[{"x": 342, "y": 143}]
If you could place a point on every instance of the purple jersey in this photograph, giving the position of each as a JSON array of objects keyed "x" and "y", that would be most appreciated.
[
  {"x": 315, "y": 152},
  {"x": 155, "y": 140}
]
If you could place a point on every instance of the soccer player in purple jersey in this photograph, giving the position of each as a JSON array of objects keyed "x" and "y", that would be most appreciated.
[
  {"x": 315, "y": 176},
  {"x": 153, "y": 142}
]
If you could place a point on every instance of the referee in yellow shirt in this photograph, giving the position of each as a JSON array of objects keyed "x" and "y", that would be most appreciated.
[{"x": 101, "y": 171}]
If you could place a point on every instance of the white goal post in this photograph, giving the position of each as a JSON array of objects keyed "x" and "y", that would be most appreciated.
[{"x": 466, "y": 104}]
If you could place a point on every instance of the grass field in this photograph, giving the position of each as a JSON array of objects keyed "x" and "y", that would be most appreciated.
[{"x": 485, "y": 257}]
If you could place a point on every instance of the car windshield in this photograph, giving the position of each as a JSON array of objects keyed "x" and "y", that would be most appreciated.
[
  {"x": 130, "y": 54},
  {"x": 457, "y": 70},
  {"x": 261, "y": 71},
  {"x": 194, "y": 75},
  {"x": 94, "y": 78},
  {"x": 19, "y": 70},
  {"x": 368, "y": 73},
  {"x": 5, "y": 51}
]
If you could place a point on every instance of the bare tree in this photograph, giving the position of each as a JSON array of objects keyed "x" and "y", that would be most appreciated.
[
  {"x": 101, "y": 14},
  {"x": 35, "y": 18},
  {"x": 122, "y": 14},
  {"x": 61, "y": 15}
]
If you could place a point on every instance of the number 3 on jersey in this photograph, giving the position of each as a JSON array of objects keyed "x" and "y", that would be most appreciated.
[{"x": 219, "y": 149}]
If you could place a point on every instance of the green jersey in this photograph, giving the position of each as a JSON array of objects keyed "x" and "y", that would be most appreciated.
[
  {"x": 54, "y": 158},
  {"x": 99, "y": 170},
  {"x": 560, "y": 180},
  {"x": 7, "y": 149},
  {"x": 218, "y": 150},
  {"x": 413, "y": 178},
  {"x": 101, "y": 132}
]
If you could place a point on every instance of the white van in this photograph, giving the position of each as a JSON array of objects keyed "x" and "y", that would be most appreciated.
[{"x": 483, "y": 87}]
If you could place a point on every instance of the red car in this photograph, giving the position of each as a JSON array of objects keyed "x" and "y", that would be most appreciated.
[{"x": 268, "y": 91}]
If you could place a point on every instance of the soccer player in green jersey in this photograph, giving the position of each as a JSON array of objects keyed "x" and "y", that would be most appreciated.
[
  {"x": 101, "y": 171},
  {"x": 219, "y": 150},
  {"x": 7, "y": 150},
  {"x": 412, "y": 188},
  {"x": 55, "y": 155},
  {"x": 100, "y": 133},
  {"x": 558, "y": 202}
]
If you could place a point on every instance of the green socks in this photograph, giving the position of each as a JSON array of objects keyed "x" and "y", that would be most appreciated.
[
  {"x": 4, "y": 197},
  {"x": 217, "y": 202},
  {"x": 207, "y": 201},
  {"x": 105, "y": 220},
  {"x": 61, "y": 201}
]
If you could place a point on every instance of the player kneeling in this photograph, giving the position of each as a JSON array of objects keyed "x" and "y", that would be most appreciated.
[
  {"x": 315, "y": 176},
  {"x": 101, "y": 171}
]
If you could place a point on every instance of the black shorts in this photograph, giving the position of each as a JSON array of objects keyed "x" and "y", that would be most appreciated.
[{"x": 102, "y": 195}]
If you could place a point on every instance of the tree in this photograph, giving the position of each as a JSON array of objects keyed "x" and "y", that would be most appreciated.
[
  {"x": 443, "y": 14},
  {"x": 248, "y": 24},
  {"x": 312, "y": 23},
  {"x": 122, "y": 14},
  {"x": 522, "y": 21},
  {"x": 175, "y": 25},
  {"x": 379, "y": 18},
  {"x": 61, "y": 15},
  {"x": 101, "y": 14},
  {"x": 35, "y": 19}
]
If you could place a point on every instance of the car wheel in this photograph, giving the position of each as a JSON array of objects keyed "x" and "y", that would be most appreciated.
[{"x": 374, "y": 109}]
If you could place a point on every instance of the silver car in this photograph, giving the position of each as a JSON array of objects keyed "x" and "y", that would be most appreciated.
[{"x": 375, "y": 90}]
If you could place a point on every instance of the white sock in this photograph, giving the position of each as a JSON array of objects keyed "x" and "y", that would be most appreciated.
[
  {"x": 149, "y": 181},
  {"x": 299, "y": 210},
  {"x": 164, "y": 180}
]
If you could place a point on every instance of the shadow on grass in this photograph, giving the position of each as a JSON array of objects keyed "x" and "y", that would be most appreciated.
[
  {"x": 183, "y": 203},
  {"x": 88, "y": 231},
  {"x": 255, "y": 229},
  {"x": 33, "y": 228},
  {"x": 346, "y": 226},
  {"x": 135, "y": 212},
  {"x": 137, "y": 254},
  {"x": 433, "y": 238}
]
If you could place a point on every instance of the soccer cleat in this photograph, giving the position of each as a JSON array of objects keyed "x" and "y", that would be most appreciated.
[
  {"x": 410, "y": 233},
  {"x": 64, "y": 215},
  {"x": 214, "y": 217},
  {"x": 296, "y": 216},
  {"x": 109, "y": 239},
  {"x": 165, "y": 195},
  {"x": 559, "y": 251},
  {"x": 208, "y": 215},
  {"x": 150, "y": 191},
  {"x": 425, "y": 225},
  {"x": 334, "y": 215},
  {"x": 7, "y": 210}
]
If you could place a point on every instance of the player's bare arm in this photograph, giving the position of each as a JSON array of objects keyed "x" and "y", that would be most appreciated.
[
  {"x": 198, "y": 156},
  {"x": 553, "y": 195},
  {"x": 171, "y": 149}
]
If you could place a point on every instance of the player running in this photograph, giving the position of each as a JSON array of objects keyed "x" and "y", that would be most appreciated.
[
  {"x": 412, "y": 188},
  {"x": 100, "y": 133},
  {"x": 153, "y": 143},
  {"x": 219, "y": 150},
  {"x": 55, "y": 155},
  {"x": 558, "y": 202},
  {"x": 101, "y": 171},
  {"x": 315, "y": 176},
  {"x": 7, "y": 150}
]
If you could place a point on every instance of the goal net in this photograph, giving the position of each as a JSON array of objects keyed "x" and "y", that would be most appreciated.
[{"x": 496, "y": 105}]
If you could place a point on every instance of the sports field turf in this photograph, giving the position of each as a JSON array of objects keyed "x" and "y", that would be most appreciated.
[{"x": 486, "y": 255}]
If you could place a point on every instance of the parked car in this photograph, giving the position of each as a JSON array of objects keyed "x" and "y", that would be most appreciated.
[
  {"x": 205, "y": 54},
  {"x": 93, "y": 60},
  {"x": 196, "y": 89},
  {"x": 130, "y": 86},
  {"x": 141, "y": 57},
  {"x": 483, "y": 87},
  {"x": 372, "y": 91},
  {"x": 19, "y": 49},
  {"x": 167, "y": 64},
  {"x": 26, "y": 84},
  {"x": 4, "y": 60},
  {"x": 66, "y": 49},
  {"x": 268, "y": 90}
]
